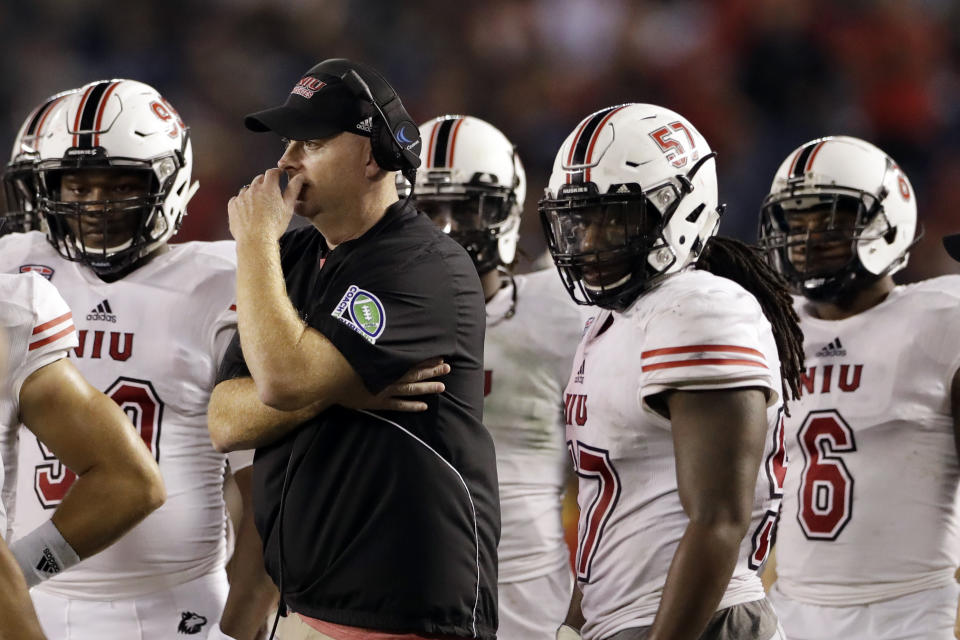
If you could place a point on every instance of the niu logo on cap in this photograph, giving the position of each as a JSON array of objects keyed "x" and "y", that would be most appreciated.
[{"x": 308, "y": 86}]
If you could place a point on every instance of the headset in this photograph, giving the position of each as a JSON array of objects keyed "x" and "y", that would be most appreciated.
[{"x": 394, "y": 138}]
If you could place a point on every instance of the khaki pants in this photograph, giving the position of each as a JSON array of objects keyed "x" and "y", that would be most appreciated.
[
  {"x": 293, "y": 628},
  {"x": 748, "y": 621}
]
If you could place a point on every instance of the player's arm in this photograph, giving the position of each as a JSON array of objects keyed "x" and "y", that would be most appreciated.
[
  {"x": 718, "y": 439},
  {"x": 769, "y": 575},
  {"x": 16, "y": 611},
  {"x": 252, "y": 592},
  {"x": 573, "y": 623},
  {"x": 118, "y": 482}
]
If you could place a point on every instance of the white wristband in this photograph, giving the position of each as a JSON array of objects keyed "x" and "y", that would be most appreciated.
[
  {"x": 217, "y": 634},
  {"x": 566, "y": 632},
  {"x": 43, "y": 553}
]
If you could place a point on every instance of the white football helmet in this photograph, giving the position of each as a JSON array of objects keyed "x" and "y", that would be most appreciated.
[
  {"x": 632, "y": 199},
  {"x": 124, "y": 126},
  {"x": 472, "y": 184},
  {"x": 840, "y": 214},
  {"x": 19, "y": 178}
]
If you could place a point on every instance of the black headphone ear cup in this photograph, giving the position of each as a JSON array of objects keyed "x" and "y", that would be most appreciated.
[{"x": 384, "y": 147}]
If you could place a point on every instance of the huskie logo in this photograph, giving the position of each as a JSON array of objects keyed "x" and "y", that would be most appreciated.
[
  {"x": 363, "y": 312},
  {"x": 190, "y": 623}
]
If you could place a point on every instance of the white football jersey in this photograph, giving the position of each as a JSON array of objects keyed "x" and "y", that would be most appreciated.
[
  {"x": 696, "y": 331},
  {"x": 527, "y": 361},
  {"x": 870, "y": 499},
  {"x": 38, "y": 329},
  {"x": 152, "y": 342}
]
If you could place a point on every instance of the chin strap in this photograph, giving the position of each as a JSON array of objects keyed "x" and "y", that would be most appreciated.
[{"x": 512, "y": 311}]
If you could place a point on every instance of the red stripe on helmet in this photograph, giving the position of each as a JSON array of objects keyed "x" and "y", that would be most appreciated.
[
  {"x": 100, "y": 110},
  {"x": 573, "y": 143},
  {"x": 433, "y": 137},
  {"x": 76, "y": 121},
  {"x": 593, "y": 141},
  {"x": 453, "y": 142},
  {"x": 813, "y": 155}
]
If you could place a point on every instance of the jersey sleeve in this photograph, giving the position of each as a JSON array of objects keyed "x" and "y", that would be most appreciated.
[
  {"x": 232, "y": 365},
  {"x": 51, "y": 336},
  {"x": 391, "y": 316},
  {"x": 716, "y": 339}
]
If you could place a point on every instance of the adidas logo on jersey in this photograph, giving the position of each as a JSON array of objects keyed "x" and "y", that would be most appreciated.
[
  {"x": 48, "y": 565},
  {"x": 365, "y": 125},
  {"x": 578, "y": 379},
  {"x": 102, "y": 312},
  {"x": 832, "y": 349}
]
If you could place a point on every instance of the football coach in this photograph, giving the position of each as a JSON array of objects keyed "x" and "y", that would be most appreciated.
[{"x": 375, "y": 489}]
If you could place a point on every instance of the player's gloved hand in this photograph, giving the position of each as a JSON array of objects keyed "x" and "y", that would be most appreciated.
[{"x": 566, "y": 632}]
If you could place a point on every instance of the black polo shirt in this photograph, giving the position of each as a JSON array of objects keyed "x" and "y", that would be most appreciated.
[{"x": 391, "y": 520}]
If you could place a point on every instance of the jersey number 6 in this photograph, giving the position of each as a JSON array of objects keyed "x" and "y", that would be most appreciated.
[{"x": 826, "y": 485}]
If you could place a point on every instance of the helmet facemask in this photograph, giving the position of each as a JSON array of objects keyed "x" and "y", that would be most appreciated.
[
  {"x": 609, "y": 248},
  {"x": 475, "y": 215},
  {"x": 813, "y": 239},
  {"x": 111, "y": 236},
  {"x": 20, "y": 199}
]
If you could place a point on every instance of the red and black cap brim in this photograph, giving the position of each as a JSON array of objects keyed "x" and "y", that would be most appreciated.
[
  {"x": 329, "y": 110},
  {"x": 952, "y": 245},
  {"x": 289, "y": 122}
]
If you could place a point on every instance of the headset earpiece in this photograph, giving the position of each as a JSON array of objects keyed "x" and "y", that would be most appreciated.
[{"x": 394, "y": 138}]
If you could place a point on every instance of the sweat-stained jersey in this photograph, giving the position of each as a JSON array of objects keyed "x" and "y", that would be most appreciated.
[
  {"x": 37, "y": 326},
  {"x": 527, "y": 361},
  {"x": 152, "y": 342},
  {"x": 696, "y": 331},
  {"x": 870, "y": 499}
]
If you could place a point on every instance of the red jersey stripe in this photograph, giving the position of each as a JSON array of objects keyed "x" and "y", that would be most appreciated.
[
  {"x": 49, "y": 339},
  {"x": 702, "y": 361},
  {"x": 701, "y": 347},
  {"x": 40, "y": 328}
]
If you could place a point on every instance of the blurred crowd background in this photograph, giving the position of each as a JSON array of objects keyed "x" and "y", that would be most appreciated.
[{"x": 757, "y": 77}]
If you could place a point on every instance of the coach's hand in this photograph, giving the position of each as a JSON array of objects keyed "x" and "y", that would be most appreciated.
[
  {"x": 260, "y": 210},
  {"x": 418, "y": 381}
]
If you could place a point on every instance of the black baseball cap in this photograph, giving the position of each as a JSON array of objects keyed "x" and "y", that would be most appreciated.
[
  {"x": 952, "y": 245},
  {"x": 321, "y": 104}
]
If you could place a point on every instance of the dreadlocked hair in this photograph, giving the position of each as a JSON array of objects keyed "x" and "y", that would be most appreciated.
[{"x": 744, "y": 264}]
